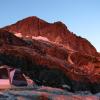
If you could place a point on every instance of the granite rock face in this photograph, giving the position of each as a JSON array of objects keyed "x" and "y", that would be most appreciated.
[{"x": 51, "y": 55}]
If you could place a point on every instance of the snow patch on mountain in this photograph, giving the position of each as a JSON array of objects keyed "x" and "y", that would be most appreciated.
[
  {"x": 40, "y": 38},
  {"x": 18, "y": 35}
]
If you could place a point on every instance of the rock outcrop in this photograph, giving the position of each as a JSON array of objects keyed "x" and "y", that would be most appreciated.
[
  {"x": 9, "y": 38},
  {"x": 50, "y": 54}
]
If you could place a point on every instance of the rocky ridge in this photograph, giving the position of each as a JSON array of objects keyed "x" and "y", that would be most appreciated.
[{"x": 56, "y": 32}]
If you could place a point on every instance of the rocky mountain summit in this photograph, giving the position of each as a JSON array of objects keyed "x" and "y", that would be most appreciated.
[
  {"x": 56, "y": 32},
  {"x": 50, "y": 55}
]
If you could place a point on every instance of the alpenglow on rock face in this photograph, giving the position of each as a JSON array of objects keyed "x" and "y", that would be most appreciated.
[
  {"x": 50, "y": 54},
  {"x": 56, "y": 32}
]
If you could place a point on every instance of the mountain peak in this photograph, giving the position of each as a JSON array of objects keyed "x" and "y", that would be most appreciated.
[{"x": 55, "y": 32}]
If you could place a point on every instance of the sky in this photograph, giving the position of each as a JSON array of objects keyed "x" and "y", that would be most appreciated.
[{"x": 80, "y": 16}]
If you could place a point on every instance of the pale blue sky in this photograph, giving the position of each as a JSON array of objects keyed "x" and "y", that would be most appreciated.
[{"x": 81, "y": 16}]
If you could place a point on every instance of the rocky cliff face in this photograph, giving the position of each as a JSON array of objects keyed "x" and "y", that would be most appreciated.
[
  {"x": 55, "y": 32},
  {"x": 50, "y": 54}
]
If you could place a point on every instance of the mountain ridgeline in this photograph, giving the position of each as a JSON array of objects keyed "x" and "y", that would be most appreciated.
[{"x": 56, "y": 32}]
